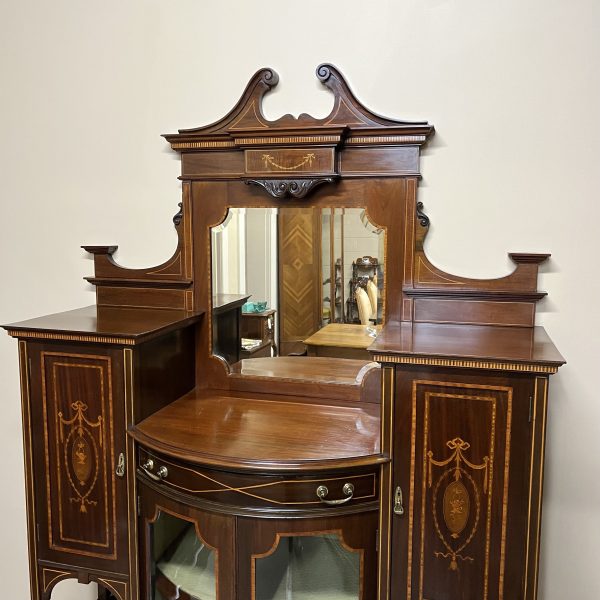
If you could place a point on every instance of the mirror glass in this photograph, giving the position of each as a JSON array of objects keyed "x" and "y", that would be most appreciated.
[{"x": 296, "y": 281}]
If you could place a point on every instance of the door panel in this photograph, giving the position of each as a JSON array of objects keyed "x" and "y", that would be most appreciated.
[
  {"x": 332, "y": 558},
  {"x": 454, "y": 468},
  {"x": 81, "y": 501},
  {"x": 185, "y": 553}
]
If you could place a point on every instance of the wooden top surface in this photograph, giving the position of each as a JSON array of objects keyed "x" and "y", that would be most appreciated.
[
  {"x": 263, "y": 313},
  {"x": 341, "y": 371},
  {"x": 341, "y": 335},
  {"x": 104, "y": 324},
  {"x": 221, "y": 429},
  {"x": 525, "y": 345},
  {"x": 223, "y": 302}
]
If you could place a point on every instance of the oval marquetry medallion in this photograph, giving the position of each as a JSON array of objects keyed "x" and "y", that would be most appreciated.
[
  {"x": 82, "y": 463},
  {"x": 456, "y": 507},
  {"x": 456, "y": 513},
  {"x": 81, "y": 459}
]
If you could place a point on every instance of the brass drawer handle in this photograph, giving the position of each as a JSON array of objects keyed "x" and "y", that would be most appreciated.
[
  {"x": 348, "y": 490},
  {"x": 160, "y": 474}
]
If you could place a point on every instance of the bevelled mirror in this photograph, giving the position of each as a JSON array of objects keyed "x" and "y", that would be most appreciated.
[{"x": 293, "y": 281}]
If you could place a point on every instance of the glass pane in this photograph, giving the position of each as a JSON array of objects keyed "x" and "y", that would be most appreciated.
[
  {"x": 307, "y": 265},
  {"x": 183, "y": 566},
  {"x": 309, "y": 568}
]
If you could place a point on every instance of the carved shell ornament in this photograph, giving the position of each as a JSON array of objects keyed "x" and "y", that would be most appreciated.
[{"x": 282, "y": 188}]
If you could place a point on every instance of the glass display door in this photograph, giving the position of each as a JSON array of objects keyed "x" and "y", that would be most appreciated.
[
  {"x": 183, "y": 550},
  {"x": 309, "y": 567},
  {"x": 182, "y": 565},
  {"x": 308, "y": 559}
]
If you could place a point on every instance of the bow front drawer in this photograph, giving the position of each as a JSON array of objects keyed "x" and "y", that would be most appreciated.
[{"x": 249, "y": 490}]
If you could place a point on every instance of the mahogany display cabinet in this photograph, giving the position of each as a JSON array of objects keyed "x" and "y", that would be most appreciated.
[{"x": 164, "y": 463}]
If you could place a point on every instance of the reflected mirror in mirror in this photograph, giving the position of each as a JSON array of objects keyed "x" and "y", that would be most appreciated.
[{"x": 296, "y": 281}]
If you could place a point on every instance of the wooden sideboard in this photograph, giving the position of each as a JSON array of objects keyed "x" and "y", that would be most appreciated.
[
  {"x": 347, "y": 340},
  {"x": 259, "y": 327},
  {"x": 227, "y": 325},
  {"x": 162, "y": 464}
]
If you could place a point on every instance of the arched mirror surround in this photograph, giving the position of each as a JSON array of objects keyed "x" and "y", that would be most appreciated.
[{"x": 367, "y": 210}]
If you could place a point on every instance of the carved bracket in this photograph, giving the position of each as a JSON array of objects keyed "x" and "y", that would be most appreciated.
[
  {"x": 520, "y": 285},
  {"x": 284, "y": 188},
  {"x": 423, "y": 218},
  {"x": 178, "y": 216}
]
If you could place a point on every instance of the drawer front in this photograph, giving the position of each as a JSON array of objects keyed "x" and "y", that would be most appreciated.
[{"x": 246, "y": 490}]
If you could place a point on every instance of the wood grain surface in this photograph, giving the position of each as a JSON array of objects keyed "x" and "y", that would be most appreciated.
[
  {"x": 341, "y": 335},
  {"x": 304, "y": 368},
  {"x": 134, "y": 324},
  {"x": 261, "y": 433},
  {"x": 514, "y": 344}
]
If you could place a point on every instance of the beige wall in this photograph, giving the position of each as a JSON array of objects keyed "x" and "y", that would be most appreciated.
[{"x": 512, "y": 88}]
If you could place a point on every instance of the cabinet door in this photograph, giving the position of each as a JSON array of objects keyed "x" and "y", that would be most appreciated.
[
  {"x": 78, "y": 421},
  {"x": 185, "y": 553},
  {"x": 328, "y": 558},
  {"x": 461, "y": 460}
]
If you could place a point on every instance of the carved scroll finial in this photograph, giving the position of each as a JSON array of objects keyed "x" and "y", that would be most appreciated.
[
  {"x": 348, "y": 110},
  {"x": 269, "y": 77},
  {"x": 246, "y": 118},
  {"x": 247, "y": 113},
  {"x": 332, "y": 78},
  {"x": 324, "y": 72},
  {"x": 423, "y": 218}
]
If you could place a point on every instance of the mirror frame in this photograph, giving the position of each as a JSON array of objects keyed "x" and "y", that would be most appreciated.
[
  {"x": 336, "y": 212},
  {"x": 381, "y": 199}
]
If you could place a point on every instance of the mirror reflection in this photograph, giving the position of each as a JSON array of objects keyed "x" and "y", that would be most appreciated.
[{"x": 296, "y": 281}]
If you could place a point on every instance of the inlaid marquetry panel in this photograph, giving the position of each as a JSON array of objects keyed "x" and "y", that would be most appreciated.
[
  {"x": 457, "y": 490},
  {"x": 78, "y": 411},
  {"x": 290, "y": 161}
]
